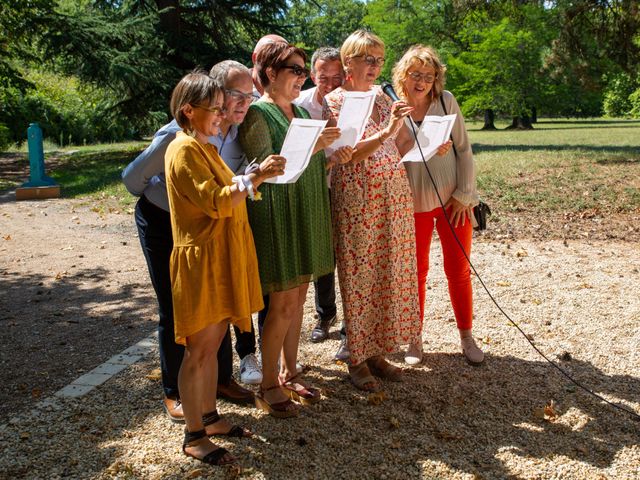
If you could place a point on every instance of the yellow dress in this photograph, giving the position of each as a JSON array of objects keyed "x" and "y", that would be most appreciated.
[{"x": 214, "y": 269}]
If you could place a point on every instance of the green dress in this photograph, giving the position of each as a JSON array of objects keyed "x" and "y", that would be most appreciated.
[{"x": 292, "y": 223}]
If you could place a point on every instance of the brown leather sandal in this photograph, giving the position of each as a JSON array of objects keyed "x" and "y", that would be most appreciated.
[
  {"x": 284, "y": 409},
  {"x": 361, "y": 377},
  {"x": 299, "y": 392}
]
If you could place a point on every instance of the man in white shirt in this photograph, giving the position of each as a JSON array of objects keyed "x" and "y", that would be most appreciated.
[{"x": 327, "y": 74}]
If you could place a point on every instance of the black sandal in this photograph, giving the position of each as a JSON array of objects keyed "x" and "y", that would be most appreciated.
[
  {"x": 212, "y": 458},
  {"x": 235, "y": 431}
]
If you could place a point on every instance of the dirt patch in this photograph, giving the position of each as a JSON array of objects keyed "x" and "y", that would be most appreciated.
[{"x": 74, "y": 291}]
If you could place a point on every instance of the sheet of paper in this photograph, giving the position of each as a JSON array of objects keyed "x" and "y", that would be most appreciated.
[
  {"x": 433, "y": 132},
  {"x": 298, "y": 147},
  {"x": 354, "y": 115}
]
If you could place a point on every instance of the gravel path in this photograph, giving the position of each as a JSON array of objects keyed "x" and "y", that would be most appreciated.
[{"x": 75, "y": 292}]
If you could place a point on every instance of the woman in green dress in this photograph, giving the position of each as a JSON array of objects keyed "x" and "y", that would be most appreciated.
[{"x": 291, "y": 226}]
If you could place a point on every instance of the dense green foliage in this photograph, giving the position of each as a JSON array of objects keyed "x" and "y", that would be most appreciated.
[{"x": 103, "y": 70}]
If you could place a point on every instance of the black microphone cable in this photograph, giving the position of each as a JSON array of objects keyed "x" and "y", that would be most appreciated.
[{"x": 387, "y": 88}]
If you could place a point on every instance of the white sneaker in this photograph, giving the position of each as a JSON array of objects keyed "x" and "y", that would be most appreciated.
[{"x": 250, "y": 371}]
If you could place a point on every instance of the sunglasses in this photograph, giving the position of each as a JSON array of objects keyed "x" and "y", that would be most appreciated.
[
  {"x": 427, "y": 78},
  {"x": 298, "y": 70},
  {"x": 371, "y": 60},
  {"x": 219, "y": 111},
  {"x": 238, "y": 96}
]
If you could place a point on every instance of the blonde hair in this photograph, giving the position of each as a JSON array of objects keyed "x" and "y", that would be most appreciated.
[
  {"x": 359, "y": 43},
  {"x": 419, "y": 56},
  {"x": 195, "y": 88}
]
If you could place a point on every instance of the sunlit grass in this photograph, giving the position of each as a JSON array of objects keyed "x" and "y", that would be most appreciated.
[{"x": 560, "y": 165}]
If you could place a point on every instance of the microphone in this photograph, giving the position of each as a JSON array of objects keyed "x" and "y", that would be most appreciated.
[{"x": 387, "y": 88}]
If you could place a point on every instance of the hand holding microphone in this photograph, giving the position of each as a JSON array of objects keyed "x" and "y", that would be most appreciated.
[{"x": 399, "y": 110}]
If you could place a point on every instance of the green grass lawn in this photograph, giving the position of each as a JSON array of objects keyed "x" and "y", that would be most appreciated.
[{"x": 561, "y": 165}]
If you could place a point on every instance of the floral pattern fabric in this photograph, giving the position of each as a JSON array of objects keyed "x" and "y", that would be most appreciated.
[{"x": 372, "y": 214}]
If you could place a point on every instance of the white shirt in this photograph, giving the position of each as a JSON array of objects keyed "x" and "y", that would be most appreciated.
[{"x": 307, "y": 100}]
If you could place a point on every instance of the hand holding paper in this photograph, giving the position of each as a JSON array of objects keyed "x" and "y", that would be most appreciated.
[
  {"x": 354, "y": 115},
  {"x": 433, "y": 132},
  {"x": 298, "y": 147}
]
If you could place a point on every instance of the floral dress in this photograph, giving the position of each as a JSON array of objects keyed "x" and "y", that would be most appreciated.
[{"x": 372, "y": 213}]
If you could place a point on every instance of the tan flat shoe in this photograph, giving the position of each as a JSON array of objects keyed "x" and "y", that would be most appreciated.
[{"x": 471, "y": 351}]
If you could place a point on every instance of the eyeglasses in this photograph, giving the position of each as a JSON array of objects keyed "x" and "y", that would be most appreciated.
[
  {"x": 298, "y": 70},
  {"x": 238, "y": 96},
  {"x": 425, "y": 77},
  {"x": 371, "y": 60},
  {"x": 219, "y": 111}
]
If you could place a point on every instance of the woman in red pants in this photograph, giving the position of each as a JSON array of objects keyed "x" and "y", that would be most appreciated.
[{"x": 419, "y": 79}]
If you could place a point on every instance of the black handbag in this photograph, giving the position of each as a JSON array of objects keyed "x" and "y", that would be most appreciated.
[{"x": 482, "y": 210}]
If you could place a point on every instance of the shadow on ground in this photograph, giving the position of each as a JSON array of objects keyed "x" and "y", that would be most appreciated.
[
  {"x": 445, "y": 417},
  {"x": 47, "y": 344}
]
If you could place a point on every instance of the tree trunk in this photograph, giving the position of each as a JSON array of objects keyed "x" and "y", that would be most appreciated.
[
  {"x": 489, "y": 118},
  {"x": 534, "y": 115},
  {"x": 521, "y": 123}
]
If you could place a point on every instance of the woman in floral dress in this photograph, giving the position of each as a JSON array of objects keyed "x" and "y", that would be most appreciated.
[{"x": 372, "y": 213}]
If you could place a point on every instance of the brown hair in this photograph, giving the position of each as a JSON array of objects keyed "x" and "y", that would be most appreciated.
[
  {"x": 420, "y": 56},
  {"x": 275, "y": 55},
  {"x": 195, "y": 88}
]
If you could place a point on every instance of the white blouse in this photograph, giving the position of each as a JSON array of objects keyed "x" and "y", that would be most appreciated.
[{"x": 453, "y": 176}]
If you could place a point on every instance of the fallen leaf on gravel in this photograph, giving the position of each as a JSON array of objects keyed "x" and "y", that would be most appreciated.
[
  {"x": 396, "y": 444},
  {"x": 7, "y": 237},
  {"x": 447, "y": 436},
  {"x": 521, "y": 253},
  {"x": 24, "y": 435},
  {"x": 584, "y": 285},
  {"x": 550, "y": 412},
  {"x": 376, "y": 398},
  {"x": 503, "y": 283},
  {"x": 36, "y": 392},
  {"x": 536, "y": 301},
  {"x": 155, "y": 374},
  {"x": 195, "y": 473},
  {"x": 395, "y": 423}
]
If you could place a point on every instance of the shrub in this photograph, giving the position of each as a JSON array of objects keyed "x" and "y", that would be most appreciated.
[
  {"x": 5, "y": 137},
  {"x": 634, "y": 100},
  {"x": 616, "y": 97},
  {"x": 68, "y": 111}
]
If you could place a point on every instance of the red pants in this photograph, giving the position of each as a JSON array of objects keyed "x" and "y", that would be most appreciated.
[{"x": 456, "y": 267}]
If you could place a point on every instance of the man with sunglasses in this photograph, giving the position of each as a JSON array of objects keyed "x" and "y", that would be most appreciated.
[
  {"x": 144, "y": 177},
  {"x": 327, "y": 74}
]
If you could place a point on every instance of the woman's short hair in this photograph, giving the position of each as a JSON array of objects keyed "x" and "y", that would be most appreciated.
[
  {"x": 419, "y": 56},
  {"x": 275, "y": 55},
  {"x": 195, "y": 88},
  {"x": 358, "y": 43}
]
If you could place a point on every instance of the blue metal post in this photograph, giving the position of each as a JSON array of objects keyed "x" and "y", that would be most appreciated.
[{"x": 37, "y": 177}]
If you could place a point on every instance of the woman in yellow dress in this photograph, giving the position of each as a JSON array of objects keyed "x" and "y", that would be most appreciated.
[{"x": 214, "y": 270}]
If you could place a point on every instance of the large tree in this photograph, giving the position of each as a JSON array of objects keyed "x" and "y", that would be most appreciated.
[{"x": 140, "y": 48}]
